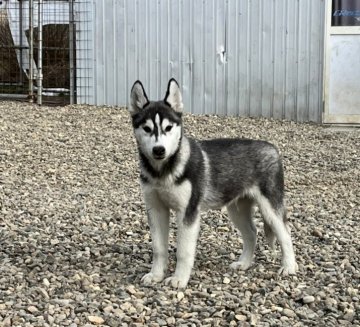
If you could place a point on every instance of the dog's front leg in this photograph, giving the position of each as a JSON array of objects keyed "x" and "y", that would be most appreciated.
[
  {"x": 187, "y": 235},
  {"x": 158, "y": 216}
]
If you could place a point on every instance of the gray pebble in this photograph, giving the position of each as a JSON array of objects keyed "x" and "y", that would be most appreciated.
[{"x": 308, "y": 299}]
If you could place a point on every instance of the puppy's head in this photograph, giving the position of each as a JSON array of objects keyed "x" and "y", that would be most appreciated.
[{"x": 157, "y": 124}]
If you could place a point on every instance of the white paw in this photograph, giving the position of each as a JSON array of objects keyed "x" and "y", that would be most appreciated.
[
  {"x": 176, "y": 282},
  {"x": 288, "y": 269},
  {"x": 241, "y": 265},
  {"x": 150, "y": 278}
]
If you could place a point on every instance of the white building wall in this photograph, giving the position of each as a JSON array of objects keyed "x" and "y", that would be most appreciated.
[{"x": 233, "y": 57}]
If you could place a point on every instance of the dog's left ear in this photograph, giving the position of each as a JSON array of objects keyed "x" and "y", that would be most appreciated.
[
  {"x": 138, "y": 98},
  {"x": 173, "y": 96}
]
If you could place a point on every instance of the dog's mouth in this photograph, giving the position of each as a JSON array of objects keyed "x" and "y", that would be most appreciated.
[{"x": 159, "y": 157}]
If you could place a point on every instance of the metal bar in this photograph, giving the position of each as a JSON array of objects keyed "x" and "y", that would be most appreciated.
[
  {"x": 21, "y": 41},
  {"x": 71, "y": 51},
  {"x": 31, "y": 51},
  {"x": 12, "y": 96},
  {"x": 40, "y": 48},
  {"x": 10, "y": 84},
  {"x": 14, "y": 47}
]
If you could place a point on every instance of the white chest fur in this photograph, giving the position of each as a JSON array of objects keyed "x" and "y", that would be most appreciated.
[{"x": 173, "y": 196}]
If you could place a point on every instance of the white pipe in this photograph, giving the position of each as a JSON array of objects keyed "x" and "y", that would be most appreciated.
[{"x": 55, "y": 89}]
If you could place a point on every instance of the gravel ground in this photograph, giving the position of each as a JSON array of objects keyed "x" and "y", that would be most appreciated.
[{"x": 74, "y": 240}]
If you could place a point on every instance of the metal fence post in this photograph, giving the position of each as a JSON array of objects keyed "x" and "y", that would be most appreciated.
[
  {"x": 40, "y": 48},
  {"x": 71, "y": 51},
  {"x": 21, "y": 42},
  {"x": 31, "y": 50}
]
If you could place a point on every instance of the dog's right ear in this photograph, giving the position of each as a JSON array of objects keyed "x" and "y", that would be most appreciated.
[{"x": 138, "y": 98}]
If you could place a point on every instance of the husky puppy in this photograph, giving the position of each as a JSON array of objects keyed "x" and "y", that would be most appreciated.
[{"x": 187, "y": 176}]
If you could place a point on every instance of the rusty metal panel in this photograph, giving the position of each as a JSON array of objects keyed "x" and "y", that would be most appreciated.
[{"x": 234, "y": 57}]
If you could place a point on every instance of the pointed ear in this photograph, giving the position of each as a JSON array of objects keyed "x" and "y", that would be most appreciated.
[
  {"x": 138, "y": 98},
  {"x": 173, "y": 96}
]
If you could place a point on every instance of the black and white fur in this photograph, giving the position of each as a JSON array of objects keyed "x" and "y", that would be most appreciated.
[{"x": 187, "y": 176}]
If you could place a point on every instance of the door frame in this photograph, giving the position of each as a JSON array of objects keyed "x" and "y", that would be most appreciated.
[{"x": 334, "y": 30}]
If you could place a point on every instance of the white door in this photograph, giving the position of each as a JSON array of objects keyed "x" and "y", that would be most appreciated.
[{"x": 342, "y": 63}]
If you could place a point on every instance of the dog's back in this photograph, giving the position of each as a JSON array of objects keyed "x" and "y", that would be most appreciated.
[{"x": 239, "y": 165}]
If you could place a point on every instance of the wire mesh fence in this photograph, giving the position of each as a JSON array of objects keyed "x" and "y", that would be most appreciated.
[
  {"x": 84, "y": 54},
  {"x": 12, "y": 78},
  {"x": 38, "y": 44}
]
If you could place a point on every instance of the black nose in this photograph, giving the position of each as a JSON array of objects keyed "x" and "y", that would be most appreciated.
[{"x": 158, "y": 151}]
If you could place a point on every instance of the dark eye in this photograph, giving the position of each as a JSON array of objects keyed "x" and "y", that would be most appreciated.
[
  {"x": 168, "y": 128},
  {"x": 147, "y": 129}
]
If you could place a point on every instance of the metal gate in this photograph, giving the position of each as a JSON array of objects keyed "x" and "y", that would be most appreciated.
[{"x": 37, "y": 50}]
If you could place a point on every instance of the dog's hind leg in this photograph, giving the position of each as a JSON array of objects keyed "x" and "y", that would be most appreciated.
[
  {"x": 274, "y": 219},
  {"x": 240, "y": 212},
  {"x": 270, "y": 236}
]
